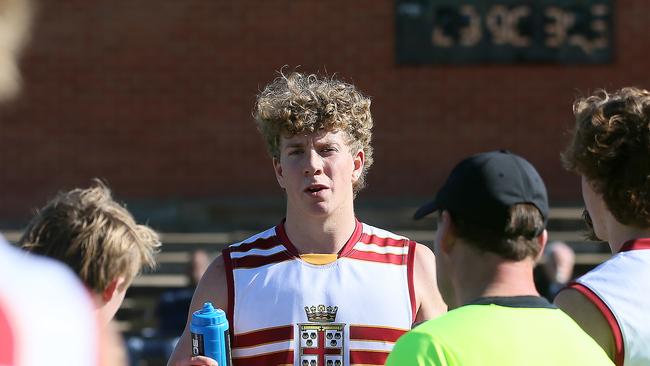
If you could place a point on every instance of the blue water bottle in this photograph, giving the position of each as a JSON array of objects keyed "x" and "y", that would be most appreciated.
[{"x": 209, "y": 329}]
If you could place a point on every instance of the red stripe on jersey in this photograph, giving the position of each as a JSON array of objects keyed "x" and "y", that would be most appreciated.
[
  {"x": 261, "y": 243},
  {"x": 410, "y": 267},
  {"x": 636, "y": 244},
  {"x": 619, "y": 350},
  {"x": 7, "y": 341},
  {"x": 352, "y": 241},
  {"x": 382, "y": 242},
  {"x": 368, "y": 357},
  {"x": 254, "y": 261},
  {"x": 262, "y": 336},
  {"x": 377, "y": 257},
  {"x": 283, "y": 239},
  {"x": 368, "y": 333},
  {"x": 273, "y": 358}
]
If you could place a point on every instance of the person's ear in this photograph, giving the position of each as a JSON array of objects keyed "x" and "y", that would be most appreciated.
[
  {"x": 112, "y": 287},
  {"x": 359, "y": 160},
  {"x": 542, "y": 239},
  {"x": 447, "y": 233},
  {"x": 277, "y": 167}
]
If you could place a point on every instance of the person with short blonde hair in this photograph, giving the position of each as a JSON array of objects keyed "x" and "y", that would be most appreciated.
[
  {"x": 96, "y": 237},
  {"x": 320, "y": 267},
  {"x": 610, "y": 150}
]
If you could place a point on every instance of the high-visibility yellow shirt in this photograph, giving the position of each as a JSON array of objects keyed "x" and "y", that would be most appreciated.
[{"x": 507, "y": 331}]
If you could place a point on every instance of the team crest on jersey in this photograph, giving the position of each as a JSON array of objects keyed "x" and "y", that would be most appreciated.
[{"x": 321, "y": 340}]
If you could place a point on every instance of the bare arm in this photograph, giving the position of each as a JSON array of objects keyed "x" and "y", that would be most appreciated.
[
  {"x": 587, "y": 315},
  {"x": 212, "y": 288},
  {"x": 428, "y": 300}
]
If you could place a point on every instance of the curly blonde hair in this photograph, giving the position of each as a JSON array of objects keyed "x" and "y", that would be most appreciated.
[
  {"x": 611, "y": 149},
  {"x": 94, "y": 235},
  {"x": 302, "y": 104}
]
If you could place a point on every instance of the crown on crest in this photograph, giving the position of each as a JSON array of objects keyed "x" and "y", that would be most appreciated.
[{"x": 321, "y": 313}]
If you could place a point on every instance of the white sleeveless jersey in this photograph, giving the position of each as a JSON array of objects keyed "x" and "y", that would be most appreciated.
[
  {"x": 46, "y": 316},
  {"x": 620, "y": 288},
  {"x": 284, "y": 310}
]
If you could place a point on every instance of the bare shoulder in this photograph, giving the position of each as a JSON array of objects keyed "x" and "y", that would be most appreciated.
[
  {"x": 213, "y": 286},
  {"x": 579, "y": 307},
  {"x": 588, "y": 316},
  {"x": 424, "y": 256},
  {"x": 428, "y": 299},
  {"x": 424, "y": 270}
]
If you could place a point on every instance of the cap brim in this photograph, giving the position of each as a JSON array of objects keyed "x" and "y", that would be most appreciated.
[{"x": 425, "y": 210}]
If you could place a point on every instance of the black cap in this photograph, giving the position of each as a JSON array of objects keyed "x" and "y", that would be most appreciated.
[{"x": 481, "y": 189}]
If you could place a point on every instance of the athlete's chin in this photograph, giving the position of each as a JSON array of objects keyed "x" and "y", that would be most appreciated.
[{"x": 319, "y": 209}]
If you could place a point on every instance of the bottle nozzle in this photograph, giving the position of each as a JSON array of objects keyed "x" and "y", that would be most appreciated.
[{"x": 207, "y": 308}]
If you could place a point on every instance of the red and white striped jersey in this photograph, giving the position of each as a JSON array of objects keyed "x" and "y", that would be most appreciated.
[
  {"x": 286, "y": 310},
  {"x": 46, "y": 316},
  {"x": 619, "y": 288}
]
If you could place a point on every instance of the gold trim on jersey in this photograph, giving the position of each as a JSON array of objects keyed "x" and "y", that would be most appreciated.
[{"x": 319, "y": 259}]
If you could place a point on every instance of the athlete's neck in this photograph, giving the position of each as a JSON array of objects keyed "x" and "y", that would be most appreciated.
[
  {"x": 103, "y": 310},
  {"x": 319, "y": 235},
  {"x": 618, "y": 234},
  {"x": 487, "y": 275}
]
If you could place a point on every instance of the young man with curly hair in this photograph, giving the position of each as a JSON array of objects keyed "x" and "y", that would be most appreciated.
[
  {"x": 320, "y": 288},
  {"x": 493, "y": 211},
  {"x": 610, "y": 150}
]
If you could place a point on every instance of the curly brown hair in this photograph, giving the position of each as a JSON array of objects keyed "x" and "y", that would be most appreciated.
[
  {"x": 611, "y": 149},
  {"x": 302, "y": 104}
]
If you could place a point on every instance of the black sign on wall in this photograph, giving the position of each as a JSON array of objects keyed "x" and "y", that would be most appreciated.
[{"x": 503, "y": 31}]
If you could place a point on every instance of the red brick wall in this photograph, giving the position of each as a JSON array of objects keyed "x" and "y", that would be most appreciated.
[{"x": 155, "y": 96}]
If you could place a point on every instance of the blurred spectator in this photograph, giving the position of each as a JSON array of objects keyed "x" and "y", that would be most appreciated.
[
  {"x": 15, "y": 21},
  {"x": 171, "y": 316},
  {"x": 46, "y": 315},
  {"x": 555, "y": 270}
]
